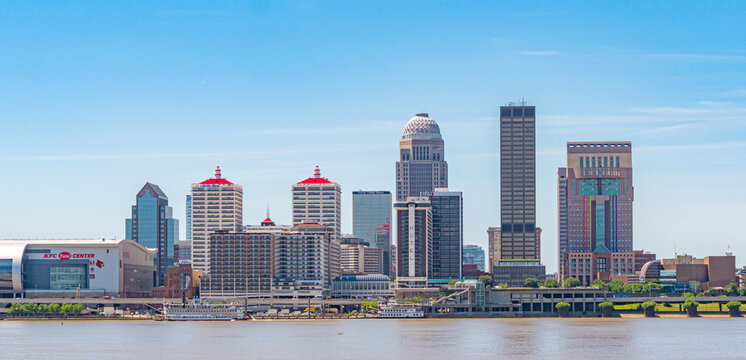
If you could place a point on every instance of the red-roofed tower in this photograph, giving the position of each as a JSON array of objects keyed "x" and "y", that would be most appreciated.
[
  {"x": 217, "y": 204},
  {"x": 318, "y": 200}
]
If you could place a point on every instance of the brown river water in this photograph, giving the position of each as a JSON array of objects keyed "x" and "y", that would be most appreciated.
[{"x": 714, "y": 338}]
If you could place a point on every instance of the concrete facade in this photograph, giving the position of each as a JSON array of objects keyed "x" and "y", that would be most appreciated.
[{"x": 216, "y": 204}]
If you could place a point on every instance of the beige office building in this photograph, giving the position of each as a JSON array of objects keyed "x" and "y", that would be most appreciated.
[
  {"x": 421, "y": 167},
  {"x": 358, "y": 257},
  {"x": 217, "y": 204},
  {"x": 318, "y": 200}
]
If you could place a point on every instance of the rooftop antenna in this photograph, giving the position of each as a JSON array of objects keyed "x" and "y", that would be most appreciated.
[{"x": 268, "y": 211}]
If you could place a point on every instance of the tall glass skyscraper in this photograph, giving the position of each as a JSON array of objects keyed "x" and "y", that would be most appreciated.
[
  {"x": 371, "y": 221},
  {"x": 421, "y": 167},
  {"x": 448, "y": 234},
  {"x": 152, "y": 225},
  {"x": 519, "y": 253}
]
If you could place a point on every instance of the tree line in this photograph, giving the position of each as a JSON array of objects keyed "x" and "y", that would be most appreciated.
[{"x": 44, "y": 309}]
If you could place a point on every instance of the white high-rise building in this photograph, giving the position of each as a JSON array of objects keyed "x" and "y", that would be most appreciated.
[
  {"x": 217, "y": 204},
  {"x": 318, "y": 200}
]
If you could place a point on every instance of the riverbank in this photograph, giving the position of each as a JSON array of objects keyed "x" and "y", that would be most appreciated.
[{"x": 361, "y": 317}]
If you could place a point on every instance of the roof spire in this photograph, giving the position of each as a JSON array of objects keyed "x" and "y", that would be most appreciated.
[
  {"x": 268, "y": 211},
  {"x": 217, "y": 172},
  {"x": 317, "y": 172}
]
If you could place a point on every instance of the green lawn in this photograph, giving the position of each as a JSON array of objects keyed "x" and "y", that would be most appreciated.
[{"x": 708, "y": 307}]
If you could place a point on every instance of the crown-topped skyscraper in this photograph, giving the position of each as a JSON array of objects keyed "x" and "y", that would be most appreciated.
[{"x": 421, "y": 167}]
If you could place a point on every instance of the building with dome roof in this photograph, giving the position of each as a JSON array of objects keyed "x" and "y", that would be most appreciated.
[{"x": 421, "y": 167}]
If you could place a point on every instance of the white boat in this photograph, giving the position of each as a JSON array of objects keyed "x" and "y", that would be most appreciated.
[
  {"x": 394, "y": 310},
  {"x": 200, "y": 311}
]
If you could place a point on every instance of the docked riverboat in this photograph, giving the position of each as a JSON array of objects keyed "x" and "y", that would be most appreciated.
[
  {"x": 398, "y": 311},
  {"x": 202, "y": 311}
]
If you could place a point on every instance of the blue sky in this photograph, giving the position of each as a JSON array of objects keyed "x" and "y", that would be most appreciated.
[{"x": 98, "y": 98}]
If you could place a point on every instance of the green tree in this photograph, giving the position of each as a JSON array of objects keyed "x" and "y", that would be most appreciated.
[
  {"x": 43, "y": 309},
  {"x": 54, "y": 308},
  {"x": 731, "y": 289},
  {"x": 66, "y": 309},
  {"x": 571, "y": 282},
  {"x": 733, "y": 305},
  {"x": 531, "y": 283},
  {"x": 551, "y": 283},
  {"x": 486, "y": 279},
  {"x": 598, "y": 283},
  {"x": 616, "y": 286},
  {"x": 452, "y": 282},
  {"x": 649, "y": 286},
  {"x": 742, "y": 291},
  {"x": 15, "y": 309},
  {"x": 687, "y": 294},
  {"x": 632, "y": 288},
  {"x": 503, "y": 285}
]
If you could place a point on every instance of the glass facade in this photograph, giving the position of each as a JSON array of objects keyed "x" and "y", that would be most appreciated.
[
  {"x": 447, "y": 208},
  {"x": 6, "y": 271},
  {"x": 68, "y": 277},
  {"x": 474, "y": 254},
  {"x": 371, "y": 221},
  {"x": 152, "y": 225}
]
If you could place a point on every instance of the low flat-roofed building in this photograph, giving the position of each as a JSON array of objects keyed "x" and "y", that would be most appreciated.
[
  {"x": 75, "y": 268},
  {"x": 362, "y": 286}
]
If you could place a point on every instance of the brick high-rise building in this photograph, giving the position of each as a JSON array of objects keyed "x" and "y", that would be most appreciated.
[
  {"x": 595, "y": 202},
  {"x": 241, "y": 264},
  {"x": 216, "y": 204}
]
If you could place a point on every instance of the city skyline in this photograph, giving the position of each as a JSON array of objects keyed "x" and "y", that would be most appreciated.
[{"x": 678, "y": 97}]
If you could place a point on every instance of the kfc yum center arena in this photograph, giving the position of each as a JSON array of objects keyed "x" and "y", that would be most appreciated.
[{"x": 75, "y": 268}]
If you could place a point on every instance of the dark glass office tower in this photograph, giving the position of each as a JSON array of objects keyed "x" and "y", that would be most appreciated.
[
  {"x": 519, "y": 253},
  {"x": 152, "y": 225},
  {"x": 448, "y": 234}
]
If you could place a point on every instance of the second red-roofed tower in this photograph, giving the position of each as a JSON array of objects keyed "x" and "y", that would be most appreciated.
[{"x": 319, "y": 200}]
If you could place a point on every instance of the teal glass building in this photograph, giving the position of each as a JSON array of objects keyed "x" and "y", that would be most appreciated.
[{"x": 152, "y": 225}]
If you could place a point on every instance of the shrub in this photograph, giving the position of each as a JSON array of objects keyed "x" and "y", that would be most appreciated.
[
  {"x": 452, "y": 282},
  {"x": 503, "y": 285},
  {"x": 605, "y": 306},
  {"x": 687, "y": 294},
  {"x": 666, "y": 304},
  {"x": 648, "y": 305},
  {"x": 531, "y": 282},
  {"x": 551, "y": 283},
  {"x": 561, "y": 306},
  {"x": 733, "y": 305}
]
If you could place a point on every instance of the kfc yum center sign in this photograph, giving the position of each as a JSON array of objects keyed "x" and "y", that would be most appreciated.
[{"x": 65, "y": 255}]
